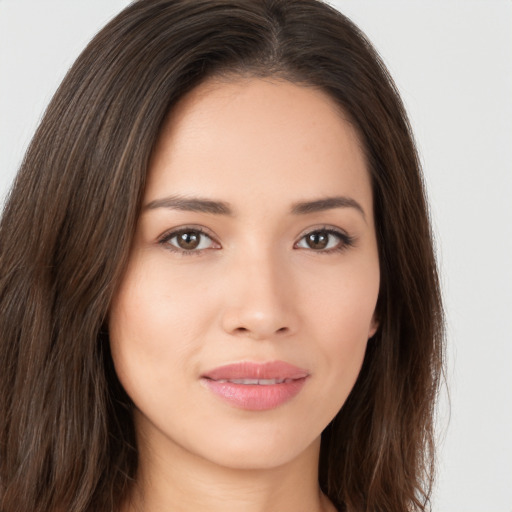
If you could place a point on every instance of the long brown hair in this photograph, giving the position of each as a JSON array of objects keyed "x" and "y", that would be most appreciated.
[{"x": 67, "y": 439}]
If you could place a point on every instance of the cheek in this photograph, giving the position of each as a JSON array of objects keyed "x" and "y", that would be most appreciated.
[
  {"x": 152, "y": 309},
  {"x": 139, "y": 333},
  {"x": 343, "y": 302},
  {"x": 157, "y": 325},
  {"x": 343, "y": 315}
]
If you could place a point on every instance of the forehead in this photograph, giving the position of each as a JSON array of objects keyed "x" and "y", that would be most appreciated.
[{"x": 258, "y": 138}]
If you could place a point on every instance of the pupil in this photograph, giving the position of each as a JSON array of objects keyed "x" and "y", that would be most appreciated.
[
  {"x": 318, "y": 240},
  {"x": 189, "y": 240}
]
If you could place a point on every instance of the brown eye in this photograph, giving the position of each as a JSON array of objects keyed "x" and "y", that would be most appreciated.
[
  {"x": 188, "y": 240},
  {"x": 317, "y": 240},
  {"x": 325, "y": 240}
]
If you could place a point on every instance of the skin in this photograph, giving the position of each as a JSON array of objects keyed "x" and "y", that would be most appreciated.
[{"x": 253, "y": 290}]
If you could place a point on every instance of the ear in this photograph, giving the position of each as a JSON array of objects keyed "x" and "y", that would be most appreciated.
[{"x": 374, "y": 325}]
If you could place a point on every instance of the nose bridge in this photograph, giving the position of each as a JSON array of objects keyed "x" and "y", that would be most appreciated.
[{"x": 261, "y": 304}]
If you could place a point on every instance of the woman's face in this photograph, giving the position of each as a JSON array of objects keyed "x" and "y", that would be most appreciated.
[{"x": 242, "y": 320}]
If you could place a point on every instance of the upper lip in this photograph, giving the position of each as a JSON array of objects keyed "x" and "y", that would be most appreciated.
[{"x": 252, "y": 370}]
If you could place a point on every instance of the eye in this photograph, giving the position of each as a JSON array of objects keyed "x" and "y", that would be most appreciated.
[
  {"x": 188, "y": 240},
  {"x": 326, "y": 240}
]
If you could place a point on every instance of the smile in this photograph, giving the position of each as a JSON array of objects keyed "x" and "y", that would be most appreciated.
[
  {"x": 256, "y": 386},
  {"x": 259, "y": 382}
]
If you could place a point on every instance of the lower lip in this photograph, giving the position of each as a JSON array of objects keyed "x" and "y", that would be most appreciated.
[{"x": 256, "y": 397}]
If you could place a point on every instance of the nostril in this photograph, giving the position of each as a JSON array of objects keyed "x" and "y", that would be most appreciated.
[{"x": 247, "y": 331}]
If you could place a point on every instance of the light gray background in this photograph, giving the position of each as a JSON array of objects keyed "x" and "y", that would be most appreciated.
[{"x": 452, "y": 61}]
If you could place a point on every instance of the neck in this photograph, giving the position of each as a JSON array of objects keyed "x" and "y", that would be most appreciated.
[{"x": 183, "y": 482}]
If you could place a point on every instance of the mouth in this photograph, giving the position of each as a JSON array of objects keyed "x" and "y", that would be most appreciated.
[
  {"x": 258, "y": 382},
  {"x": 256, "y": 386}
]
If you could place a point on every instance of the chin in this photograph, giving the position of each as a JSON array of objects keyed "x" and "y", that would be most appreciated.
[
  {"x": 255, "y": 455},
  {"x": 255, "y": 444}
]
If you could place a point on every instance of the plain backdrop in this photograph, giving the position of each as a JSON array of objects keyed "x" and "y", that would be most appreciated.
[{"x": 452, "y": 61}]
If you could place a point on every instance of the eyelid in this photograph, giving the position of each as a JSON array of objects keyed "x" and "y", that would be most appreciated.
[
  {"x": 171, "y": 233},
  {"x": 346, "y": 240}
]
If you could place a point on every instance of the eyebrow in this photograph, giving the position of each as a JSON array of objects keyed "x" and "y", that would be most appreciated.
[
  {"x": 190, "y": 204},
  {"x": 328, "y": 203},
  {"x": 209, "y": 206}
]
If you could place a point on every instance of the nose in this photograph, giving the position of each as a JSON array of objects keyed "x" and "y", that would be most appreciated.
[{"x": 261, "y": 303}]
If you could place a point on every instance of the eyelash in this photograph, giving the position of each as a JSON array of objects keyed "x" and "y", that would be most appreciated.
[
  {"x": 167, "y": 237},
  {"x": 345, "y": 241}
]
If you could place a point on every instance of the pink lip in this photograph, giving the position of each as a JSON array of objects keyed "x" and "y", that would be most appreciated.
[{"x": 256, "y": 397}]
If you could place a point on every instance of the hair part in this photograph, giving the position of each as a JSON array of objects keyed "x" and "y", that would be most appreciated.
[{"x": 67, "y": 440}]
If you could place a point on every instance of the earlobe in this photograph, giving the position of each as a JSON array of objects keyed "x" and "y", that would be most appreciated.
[{"x": 374, "y": 325}]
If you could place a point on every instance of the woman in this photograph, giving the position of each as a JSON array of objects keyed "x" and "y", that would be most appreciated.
[{"x": 218, "y": 288}]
